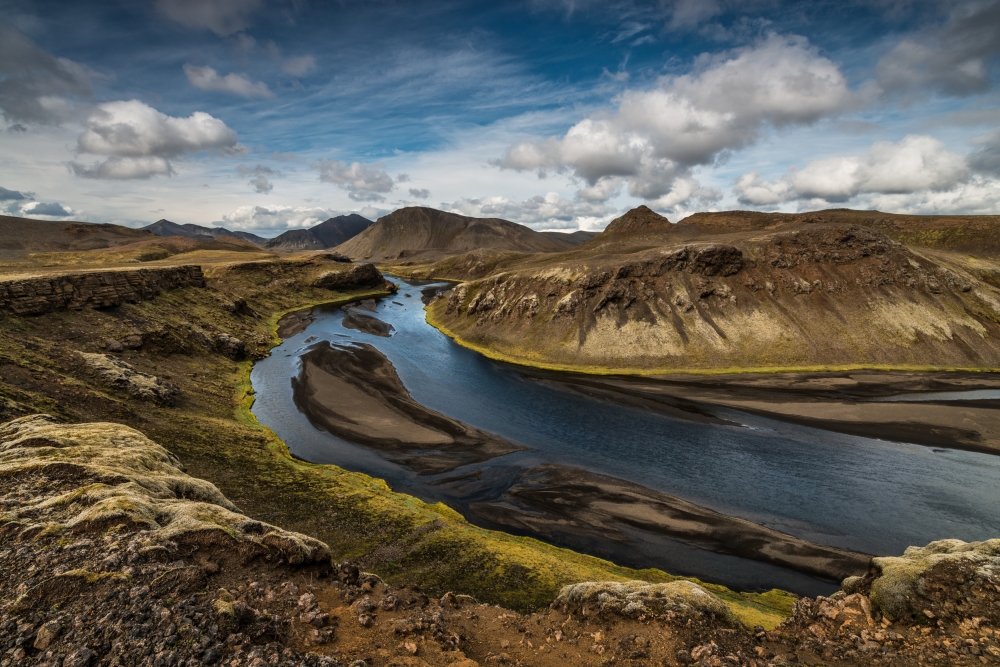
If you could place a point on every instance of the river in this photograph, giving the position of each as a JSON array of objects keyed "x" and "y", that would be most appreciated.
[{"x": 839, "y": 490}]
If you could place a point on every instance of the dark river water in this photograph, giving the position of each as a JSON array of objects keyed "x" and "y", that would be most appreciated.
[{"x": 856, "y": 493}]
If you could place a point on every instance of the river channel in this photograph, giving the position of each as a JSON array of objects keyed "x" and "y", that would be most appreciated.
[{"x": 844, "y": 491}]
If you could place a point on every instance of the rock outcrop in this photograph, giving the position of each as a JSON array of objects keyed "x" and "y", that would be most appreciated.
[
  {"x": 120, "y": 375},
  {"x": 359, "y": 277},
  {"x": 100, "y": 289}
]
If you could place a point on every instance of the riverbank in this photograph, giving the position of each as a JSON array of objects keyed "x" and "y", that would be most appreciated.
[
  {"x": 354, "y": 392},
  {"x": 837, "y": 398},
  {"x": 212, "y": 432}
]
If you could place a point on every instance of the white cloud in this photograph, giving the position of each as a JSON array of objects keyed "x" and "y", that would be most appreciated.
[
  {"x": 206, "y": 78},
  {"x": 420, "y": 193},
  {"x": 258, "y": 177},
  {"x": 362, "y": 182},
  {"x": 980, "y": 196},
  {"x": 275, "y": 217},
  {"x": 223, "y": 17},
  {"x": 124, "y": 168},
  {"x": 34, "y": 86},
  {"x": 549, "y": 211},
  {"x": 917, "y": 163},
  {"x": 49, "y": 210},
  {"x": 139, "y": 140},
  {"x": 656, "y": 136}
]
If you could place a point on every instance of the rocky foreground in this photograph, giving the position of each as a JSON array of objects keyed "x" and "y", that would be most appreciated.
[{"x": 111, "y": 555}]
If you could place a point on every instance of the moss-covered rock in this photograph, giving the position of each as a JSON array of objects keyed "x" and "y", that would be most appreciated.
[
  {"x": 93, "y": 477},
  {"x": 641, "y": 599},
  {"x": 121, "y": 375},
  {"x": 901, "y": 587}
]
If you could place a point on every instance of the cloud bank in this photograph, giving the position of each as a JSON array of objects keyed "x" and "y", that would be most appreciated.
[
  {"x": 655, "y": 137},
  {"x": 363, "y": 183},
  {"x": 140, "y": 141}
]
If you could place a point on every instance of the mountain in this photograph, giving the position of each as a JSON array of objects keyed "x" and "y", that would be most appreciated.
[
  {"x": 740, "y": 290},
  {"x": 327, "y": 234},
  {"x": 167, "y": 228},
  {"x": 426, "y": 233},
  {"x": 571, "y": 239}
]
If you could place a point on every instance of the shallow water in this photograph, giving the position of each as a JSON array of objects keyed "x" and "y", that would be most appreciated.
[{"x": 845, "y": 491}]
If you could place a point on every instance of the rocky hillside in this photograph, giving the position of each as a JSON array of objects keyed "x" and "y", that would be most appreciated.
[
  {"x": 167, "y": 228},
  {"x": 327, "y": 234},
  {"x": 650, "y": 295},
  {"x": 112, "y": 555},
  {"x": 428, "y": 234}
]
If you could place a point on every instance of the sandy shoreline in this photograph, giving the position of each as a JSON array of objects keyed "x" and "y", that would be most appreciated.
[
  {"x": 572, "y": 500},
  {"x": 839, "y": 402},
  {"x": 353, "y": 392}
]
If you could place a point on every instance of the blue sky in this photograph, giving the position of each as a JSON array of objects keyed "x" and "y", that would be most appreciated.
[{"x": 266, "y": 115}]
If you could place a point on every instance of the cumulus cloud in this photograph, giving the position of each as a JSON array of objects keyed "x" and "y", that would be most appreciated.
[
  {"x": 549, "y": 211},
  {"x": 52, "y": 210},
  {"x": 952, "y": 59},
  {"x": 140, "y": 141},
  {"x": 420, "y": 193},
  {"x": 656, "y": 136},
  {"x": 258, "y": 177},
  {"x": 362, "y": 182},
  {"x": 206, "y": 78},
  {"x": 36, "y": 87},
  {"x": 915, "y": 164},
  {"x": 223, "y": 17},
  {"x": 275, "y": 217}
]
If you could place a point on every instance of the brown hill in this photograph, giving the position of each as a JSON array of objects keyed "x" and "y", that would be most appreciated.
[
  {"x": 739, "y": 290},
  {"x": 970, "y": 234},
  {"x": 164, "y": 227},
  {"x": 20, "y": 237},
  {"x": 639, "y": 220},
  {"x": 426, "y": 233}
]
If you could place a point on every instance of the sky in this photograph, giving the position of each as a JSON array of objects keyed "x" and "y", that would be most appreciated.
[{"x": 267, "y": 115}]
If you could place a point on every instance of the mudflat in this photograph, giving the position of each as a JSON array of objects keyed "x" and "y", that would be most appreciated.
[
  {"x": 367, "y": 324},
  {"x": 354, "y": 393},
  {"x": 554, "y": 498},
  {"x": 849, "y": 402}
]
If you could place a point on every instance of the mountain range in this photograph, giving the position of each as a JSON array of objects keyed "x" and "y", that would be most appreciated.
[
  {"x": 327, "y": 234},
  {"x": 165, "y": 227}
]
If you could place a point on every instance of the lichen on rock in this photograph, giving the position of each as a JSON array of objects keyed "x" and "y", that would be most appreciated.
[
  {"x": 93, "y": 477},
  {"x": 900, "y": 585},
  {"x": 121, "y": 375},
  {"x": 635, "y": 599}
]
